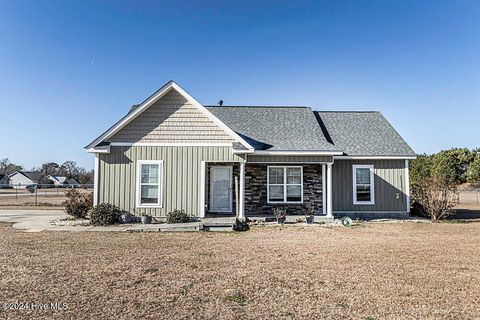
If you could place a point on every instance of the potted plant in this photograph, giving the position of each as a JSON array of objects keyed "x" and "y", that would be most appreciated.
[
  {"x": 310, "y": 216},
  {"x": 126, "y": 217},
  {"x": 146, "y": 218},
  {"x": 281, "y": 214}
]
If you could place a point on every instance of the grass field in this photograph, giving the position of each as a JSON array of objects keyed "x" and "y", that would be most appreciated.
[{"x": 373, "y": 271}]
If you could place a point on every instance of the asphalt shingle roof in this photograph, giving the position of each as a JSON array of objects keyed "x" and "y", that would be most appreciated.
[
  {"x": 363, "y": 134},
  {"x": 355, "y": 133},
  {"x": 275, "y": 128}
]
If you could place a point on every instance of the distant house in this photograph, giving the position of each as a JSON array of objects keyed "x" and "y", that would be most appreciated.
[
  {"x": 4, "y": 181},
  {"x": 61, "y": 181},
  {"x": 57, "y": 180},
  {"x": 72, "y": 182},
  {"x": 21, "y": 179}
]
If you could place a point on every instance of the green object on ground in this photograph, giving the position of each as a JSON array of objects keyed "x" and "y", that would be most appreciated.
[{"x": 347, "y": 222}]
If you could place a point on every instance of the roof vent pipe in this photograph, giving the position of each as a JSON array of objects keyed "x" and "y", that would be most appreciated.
[{"x": 220, "y": 103}]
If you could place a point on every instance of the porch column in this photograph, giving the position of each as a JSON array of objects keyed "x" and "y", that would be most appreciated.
[
  {"x": 329, "y": 191},
  {"x": 241, "y": 200},
  {"x": 324, "y": 187},
  {"x": 96, "y": 177}
]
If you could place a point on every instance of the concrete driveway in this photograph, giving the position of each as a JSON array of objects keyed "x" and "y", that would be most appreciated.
[{"x": 31, "y": 220}]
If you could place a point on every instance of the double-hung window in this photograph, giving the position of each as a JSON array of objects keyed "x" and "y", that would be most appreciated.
[
  {"x": 363, "y": 184},
  {"x": 149, "y": 183},
  {"x": 285, "y": 184}
]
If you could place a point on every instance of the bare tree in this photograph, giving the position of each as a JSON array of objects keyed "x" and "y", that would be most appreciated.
[
  {"x": 6, "y": 167},
  {"x": 85, "y": 176},
  {"x": 437, "y": 197},
  {"x": 69, "y": 169}
]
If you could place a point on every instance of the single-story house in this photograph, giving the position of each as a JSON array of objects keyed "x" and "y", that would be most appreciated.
[
  {"x": 57, "y": 180},
  {"x": 4, "y": 181},
  {"x": 171, "y": 152},
  {"x": 62, "y": 181},
  {"x": 21, "y": 179}
]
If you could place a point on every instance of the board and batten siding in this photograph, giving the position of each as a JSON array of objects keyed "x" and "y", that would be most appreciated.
[
  {"x": 172, "y": 119},
  {"x": 181, "y": 175},
  {"x": 389, "y": 186}
]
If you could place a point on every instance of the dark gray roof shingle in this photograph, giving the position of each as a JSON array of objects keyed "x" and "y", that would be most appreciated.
[
  {"x": 363, "y": 134},
  {"x": 275, "y": 128}
]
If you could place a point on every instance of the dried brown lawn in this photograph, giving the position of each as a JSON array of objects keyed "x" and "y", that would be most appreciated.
[
  {"x": 45, "y": 198},
  {"x": 374, "y": 271}
]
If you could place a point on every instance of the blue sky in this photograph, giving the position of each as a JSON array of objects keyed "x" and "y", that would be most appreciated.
[{"x": 68, "y": 70}]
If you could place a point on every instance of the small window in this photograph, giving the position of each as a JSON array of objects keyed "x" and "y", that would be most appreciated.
[
  {"x": 285, "y": 184},
  {"x": 363, "y": 184},
  {"x": 149, "y": 183}
]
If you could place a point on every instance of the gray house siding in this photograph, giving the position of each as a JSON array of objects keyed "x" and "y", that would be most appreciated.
[
  {"x": 390, "y": 188},
  {"x": 172, "y": 119},
  {"x": 181, "y": 176}
]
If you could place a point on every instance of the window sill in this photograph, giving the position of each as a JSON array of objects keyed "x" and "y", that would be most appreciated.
[
  {"x": 364, "y": 203},
  {"x": 296, "y": 202},
  {"x": 156, "y": 206}
]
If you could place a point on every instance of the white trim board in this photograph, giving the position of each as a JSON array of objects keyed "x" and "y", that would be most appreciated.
[
  {"x": 155, "y": 97},
  {"x": 370, "y": 211},
  {"x": 407, "y": 185},
  {"x": 96, "y": 177},
  {"x": 99, "y": 149},
  {"x": 287, "y": 162},
  {"x": 297, "y": 153},
  {"x": 373, "y": 157},
  {"x": 168, "y": 144}
]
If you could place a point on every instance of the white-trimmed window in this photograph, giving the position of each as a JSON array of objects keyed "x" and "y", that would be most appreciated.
[
  {"x": 363, "y": 184},
  {"x": 285, "y": 184},
  {"x": 149, "y": 183}
]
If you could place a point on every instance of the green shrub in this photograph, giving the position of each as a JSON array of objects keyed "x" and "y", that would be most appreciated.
[
  {"x": 78, "y": 204},
  {"x": 177, "y": 216},
  {"x": 104, "y": 214}
]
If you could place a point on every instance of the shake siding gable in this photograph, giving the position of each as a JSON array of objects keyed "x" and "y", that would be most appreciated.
[{"x": 172, "y": 119}]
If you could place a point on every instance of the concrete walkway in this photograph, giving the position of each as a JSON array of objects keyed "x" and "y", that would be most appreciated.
[
  {"x": 39, "y": 220},
  {"x": 31, "y": 220}
]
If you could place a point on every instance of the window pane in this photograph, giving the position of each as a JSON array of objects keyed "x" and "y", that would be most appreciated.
[
  {"x": 363, "y": 176},
  {"x": 294, "y": 193},
  {"x": 149, "y": 194},
  {"x": 275, "y": 193},
  {"x": 149, "y": 173},
  {"x": 363, "y": 193},
  {"x": 294, "y": 176},
  {"x": 275, "y": 175}
]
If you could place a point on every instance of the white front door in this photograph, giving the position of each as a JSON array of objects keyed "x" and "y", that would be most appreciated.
[{"x": 221, "y": 189}]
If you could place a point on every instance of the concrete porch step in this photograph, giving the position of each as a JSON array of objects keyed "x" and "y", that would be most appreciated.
[{"x": 218, "y": 228}]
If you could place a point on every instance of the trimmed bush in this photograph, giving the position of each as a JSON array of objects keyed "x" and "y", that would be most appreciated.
[
  {"x": 177, "y": 216},
  {"x": 78, "y": 204},
  {"x": 104, "y": 214}
]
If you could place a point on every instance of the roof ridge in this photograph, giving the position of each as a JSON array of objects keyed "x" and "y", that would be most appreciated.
[
  {"x": 258, "y": 106},
  {"x": 346, "y": 111}
]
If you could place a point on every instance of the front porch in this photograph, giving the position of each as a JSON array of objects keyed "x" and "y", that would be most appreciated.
[{"x": 251, "y": 190}]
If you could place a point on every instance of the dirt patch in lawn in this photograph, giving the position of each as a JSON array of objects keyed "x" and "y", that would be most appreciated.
[{"x": 378, "y": 271}]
